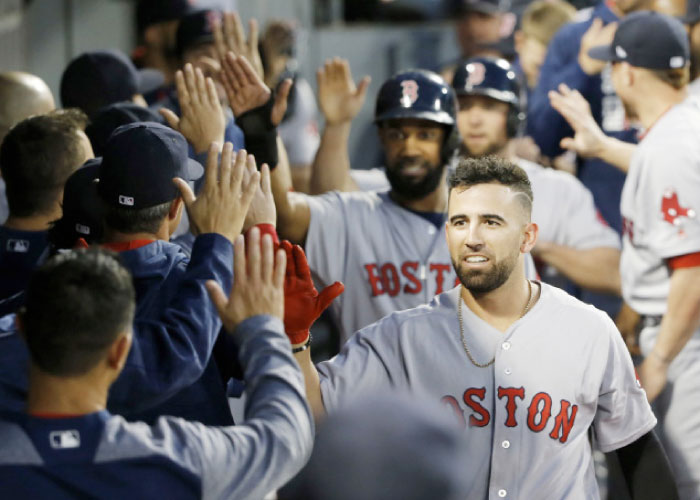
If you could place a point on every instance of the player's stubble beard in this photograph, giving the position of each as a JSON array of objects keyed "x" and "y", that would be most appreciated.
[
  {"x": 493, "y": 148},
  {"x": 412, "y": 189},
  {"x": 481, "y": 282}
]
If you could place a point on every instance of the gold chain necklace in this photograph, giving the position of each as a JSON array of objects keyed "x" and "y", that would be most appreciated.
[{"x": 461, "y": 326}]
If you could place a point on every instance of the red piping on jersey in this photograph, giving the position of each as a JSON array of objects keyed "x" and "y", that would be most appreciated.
[
  {"x": 682, "y": 261},
  {"x": 123, "y": 246}
]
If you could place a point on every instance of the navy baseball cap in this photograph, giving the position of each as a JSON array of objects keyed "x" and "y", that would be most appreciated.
[
  {"x": 482, "y": 6},
  {"x": 149, "y": 12},
  {"x": 82, "y": 210},
  {"x": 111, "y": 117},
  {"x": 195, "y": 29},
  {"x": 647, "y": 39},
  {"x": 692, "y": 12},
  {"x": 139, "y": 163},
  {"x": 95, "y": 79}
]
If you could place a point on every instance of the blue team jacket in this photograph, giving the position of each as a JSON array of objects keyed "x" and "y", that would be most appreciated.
[
  {"x": 102, "y": 456},
  {"x": 20, "y": 253},
  {"x": 174, "y": 332},
  {"x": 547, "y": 127}
]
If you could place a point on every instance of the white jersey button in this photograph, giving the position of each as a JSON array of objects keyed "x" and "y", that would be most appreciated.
[
  {"x": 502, "y": 493},
  {"x": 507, "y": 371},
  {"x": 506, "y": 346},
  {"x": 431, "y": 229},
  {"x": 506, "y": 444}
]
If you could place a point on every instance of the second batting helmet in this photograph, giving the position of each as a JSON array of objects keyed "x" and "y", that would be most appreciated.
[
  {"x": 420, "y": 94},
  {"x": 494, "y": 78}
]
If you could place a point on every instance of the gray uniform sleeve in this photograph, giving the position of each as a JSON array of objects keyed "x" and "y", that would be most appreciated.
[
  {"x": 672, "y": 222},
  {"x": 299, "y": 132},
  {"x": 275, "y": 440},
  {"x": 369, "y": 362},
  {"x": 327, "y": 238},
  {"x": 623, "y": 414},
  {"x": 584, "y": 228}
]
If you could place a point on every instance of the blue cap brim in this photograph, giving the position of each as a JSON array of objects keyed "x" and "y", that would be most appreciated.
[
  {"x": 150, "y": 80},
  {"x": 194, "y": 170},
  {"x": 602, "y": 53}
]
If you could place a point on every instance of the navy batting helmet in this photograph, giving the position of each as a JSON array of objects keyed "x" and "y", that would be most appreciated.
[
  {"x": 494, "y": 78},
  {"x": 421, "y": 94}
]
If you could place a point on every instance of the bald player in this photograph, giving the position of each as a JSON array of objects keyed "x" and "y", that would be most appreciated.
[
  {"x": 21, "y": 96},
  {"x": 524, "y": 368},
  {"x": 660, "y": 264}
]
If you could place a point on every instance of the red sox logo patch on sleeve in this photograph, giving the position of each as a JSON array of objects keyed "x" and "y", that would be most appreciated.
[
  {"x": 409, "y": 93},
  {"x": 671, "y": 208}
]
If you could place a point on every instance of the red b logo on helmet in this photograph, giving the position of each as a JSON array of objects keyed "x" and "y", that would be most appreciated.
[
  {"x": 409, "y": 93},
  {"x": 477, "y": 73}
]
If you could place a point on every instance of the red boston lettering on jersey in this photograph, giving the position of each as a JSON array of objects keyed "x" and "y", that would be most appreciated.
[
  {"x": 454, "y": 405},
  {"x": 564, "y": 422},
  {"x": 374, "y": 278},
  {"x": 439, "y": 277},
  {"x": 414, "y": 286},
  {"x": 628, "y": 228},
  {"x": 511, "y": 404},
  {"x": 544, "y": 412},
  {"x": 672, "y": 209},
  {"x": 483, "y": 413},
  {"x": 390, "y": 279}
]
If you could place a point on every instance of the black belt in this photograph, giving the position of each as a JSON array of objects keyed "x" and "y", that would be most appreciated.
[{"x": 650, "y": 321}]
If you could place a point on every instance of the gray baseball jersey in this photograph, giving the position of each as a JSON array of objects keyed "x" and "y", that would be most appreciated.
[
  {"x": 559, "y": 370},
  {"x": 389, "y": 258},
  {"x": 659, "y": 206},
  {"x": 566, "y": 214}
]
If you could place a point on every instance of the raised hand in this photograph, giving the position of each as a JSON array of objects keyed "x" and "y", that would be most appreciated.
[
  {"x": 338, "y": 96},
  {"x": 595, "y": 35},
  {"x": 246, "y": 90},
  {"x": 302, "y": 302},
  {"x": 258, "y": 284},
  {"x": 202, "y": 121},
  {"x": 262, "y": 209},
  {"x": 223, "y": 202},
  {"x": 229, "y": 36},
  {"x": 588, "y": 138}
]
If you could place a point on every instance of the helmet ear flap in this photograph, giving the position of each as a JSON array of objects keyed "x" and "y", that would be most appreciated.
[
  {"x": 515, "y": 123},
  {"x": 451, "y": 145}
]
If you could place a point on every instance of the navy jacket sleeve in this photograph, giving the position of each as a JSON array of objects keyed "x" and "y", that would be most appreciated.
[
  {"x": 546, "y": 126},
  {"x": 171, "y": 352}
]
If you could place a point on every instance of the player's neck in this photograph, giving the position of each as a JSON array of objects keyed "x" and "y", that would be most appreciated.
[
  {"x": 435, "y": 201},
  {"x": 650, "y": 110},
  {"x": 32, "y": 223},
  {"x": 504, "y": 306},
  {"x": 51, "y": 395}
]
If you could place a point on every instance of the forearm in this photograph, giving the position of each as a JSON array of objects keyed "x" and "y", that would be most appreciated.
[
  {"x": 682, "y": 316},
  {"x": 646, "y": 469},
  {"x": 595, "y": 269},
  {"x": 616, "y": 152},
  {"x": 293, "y": 215},
  {"x": 312, "y": 382},
  {"x": 331, "y": 167}
]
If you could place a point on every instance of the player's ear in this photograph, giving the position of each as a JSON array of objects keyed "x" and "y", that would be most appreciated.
[
  {"x": 119, "y": 350},
  {"x": 529, "y": 237}
]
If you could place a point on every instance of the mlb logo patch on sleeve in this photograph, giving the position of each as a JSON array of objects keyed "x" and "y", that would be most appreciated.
[
  {"x": 18, "y": 246},
  {"x": 61, "y": 440}
]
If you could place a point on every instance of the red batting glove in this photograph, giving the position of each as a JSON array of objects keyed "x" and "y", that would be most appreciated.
[{"x": 302, "y": 302}]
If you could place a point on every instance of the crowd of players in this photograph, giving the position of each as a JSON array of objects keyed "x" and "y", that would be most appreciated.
[{"x": 172, "y": 233}]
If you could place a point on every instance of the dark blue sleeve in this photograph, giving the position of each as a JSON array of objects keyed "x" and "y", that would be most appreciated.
[
  {"x": 170, "y": 353},
  {"x": 546, "y": 126}
]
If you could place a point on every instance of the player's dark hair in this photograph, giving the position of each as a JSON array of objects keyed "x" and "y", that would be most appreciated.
[
  {"x": 491, "y": 169},
  {"x": 37, "y": 156},
  {"x": 76, "y": 305},
  {"x": 131, "y": 221}
]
